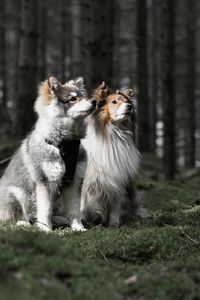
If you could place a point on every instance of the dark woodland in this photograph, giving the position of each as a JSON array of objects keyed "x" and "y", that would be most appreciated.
[
  {"x": 153, "y": 47},
  {"x": 149, "y": 45}
]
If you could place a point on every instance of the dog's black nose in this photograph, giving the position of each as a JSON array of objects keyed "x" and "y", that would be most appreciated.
[
  {"x": 129, "y": 107},
  {"x": 94, "y": 102}
]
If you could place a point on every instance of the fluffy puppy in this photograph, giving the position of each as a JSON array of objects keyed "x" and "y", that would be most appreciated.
[
  {"x": 39, "y": 169},
  {"x": 113, "y": 158}
]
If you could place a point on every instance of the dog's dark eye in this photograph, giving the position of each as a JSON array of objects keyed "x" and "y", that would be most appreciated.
[
  {"x": 114, "y": 102},
  {"x": 72, "y": 99}
]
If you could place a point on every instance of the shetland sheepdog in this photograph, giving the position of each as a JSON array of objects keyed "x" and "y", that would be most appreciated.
[{"x": 113, "y": 159}]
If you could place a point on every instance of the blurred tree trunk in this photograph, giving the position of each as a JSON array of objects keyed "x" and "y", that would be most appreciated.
[
  {"x": 11, "y": 46},
  {"x": 2, "y": 69},
  {"x": 98, "y": 24},
  {"x": 27, "y": 66},
  {"x": 185, "y": 82},
  {"x": 2, "y": 72},
  {"x": 77, "y": 58},
  {"x": 168, "y": 64},
  {"x": 41, "y": 39},
  {"x": 124, "y": 44},
  {"x": 153, "y": 63},
  {"x": 156, "y": 92},
  {"x": 190, "y": 86},
  {"x": 197, "y": 77},
  {"x": 66, "y": 41},
  {"x": 142, "y": 77},
  {"x": 54, "y": 38}
]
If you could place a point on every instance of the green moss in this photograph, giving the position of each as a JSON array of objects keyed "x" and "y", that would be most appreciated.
[{"x": 161, "y": 253}]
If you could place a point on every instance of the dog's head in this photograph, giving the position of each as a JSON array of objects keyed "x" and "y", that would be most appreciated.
[
  {"x": 69, "y": 99},
  {"x": 115, "y": 106}
]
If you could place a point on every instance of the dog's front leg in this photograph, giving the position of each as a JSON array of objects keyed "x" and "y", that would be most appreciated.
[
  {"x": 44, "y": 207},
  {"x": 71, "y": 199},
  {"x": 114, "y": 216}
]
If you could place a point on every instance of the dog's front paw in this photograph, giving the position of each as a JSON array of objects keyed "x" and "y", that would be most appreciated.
[
  {"x": 114, "y": 221},
  {"x": 44, "y": 227},
  {"x": 77, "y": 226},
  {"x": 113, "y": 224},
  {"x": 23, "y": 223}
]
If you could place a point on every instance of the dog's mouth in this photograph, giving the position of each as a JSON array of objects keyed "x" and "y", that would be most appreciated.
[
  {"x": 128, "y": 113},
  {"x": 87, "y": 110}
]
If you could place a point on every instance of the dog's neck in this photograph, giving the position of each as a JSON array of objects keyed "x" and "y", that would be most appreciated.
[
  {"x": 112, "y": 151},
  {"x": 60, "y": 129}
]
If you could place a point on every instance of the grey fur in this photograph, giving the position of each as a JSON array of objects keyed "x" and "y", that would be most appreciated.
[{"x": 30, "y": 184}]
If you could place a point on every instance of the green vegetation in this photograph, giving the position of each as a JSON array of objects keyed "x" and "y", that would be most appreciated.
[{"x": 157, "y": 258}]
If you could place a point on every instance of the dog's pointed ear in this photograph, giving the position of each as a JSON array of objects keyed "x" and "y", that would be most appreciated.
[
  {"x": 79, "y": 82},
  {"x": 103, "y": 90},
  {"x": 103, "y": 85},
  {"x": 129, "y": 93},
  {"x": 54, "y": 84}
]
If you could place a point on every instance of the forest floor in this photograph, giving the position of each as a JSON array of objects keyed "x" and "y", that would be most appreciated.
[{"x": 157, "y": 258}]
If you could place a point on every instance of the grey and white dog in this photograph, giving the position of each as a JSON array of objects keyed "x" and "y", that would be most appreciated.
[{"x": 31, "y": 183}]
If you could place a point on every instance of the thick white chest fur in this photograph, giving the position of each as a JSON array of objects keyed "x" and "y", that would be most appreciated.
[{"x": 113, "y": 158}]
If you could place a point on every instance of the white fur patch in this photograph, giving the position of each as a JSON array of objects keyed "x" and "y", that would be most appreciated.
[
  {"x": 53, "y": 170},
  {"x": 121, "y": 112},
  {"x": 76, "y": 225},
  {"x": 17, "y": 192},
  {"x": 81, "y": 107},
  {"x": 44, "y": 208},
  {"x": 113, "y": 159},
  {"x": 23, "y": 223},
  {"x": 27, "y": 161}
]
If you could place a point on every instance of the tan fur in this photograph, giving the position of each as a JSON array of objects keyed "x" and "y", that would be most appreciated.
[
  {"x": 45, "y": 92},
  {"x": 101, "y": 93},
  {"x": 119, "y": 98},
  {"x": 104, "y": 117}
]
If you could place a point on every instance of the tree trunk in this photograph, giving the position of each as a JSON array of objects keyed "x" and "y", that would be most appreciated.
[
  {"x": 11, "y": 46},
  {"x": 97, "y": 23},
  {"x": 142, "y": 77},
  {"x": 54, "y": 38},
  {"x": 124, "y": 44},
  {"x": 41, "y": 39},
  {"x": 153, "y": 63},
  {"x": 2, "y": 69},
  {"x": 76, "y": 39},
  {"x": 168, "y": 87},
  {"x": 27, "y": 66},
  {"x": 66, "y": 41},
  {"x": 3, "y": 111},
  {"x": 190, "y": 87}
]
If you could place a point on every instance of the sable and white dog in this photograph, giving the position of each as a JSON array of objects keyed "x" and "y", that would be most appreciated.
[
  {"x": 47, "y": 158},
  {"x": 113, "y": 159}
]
